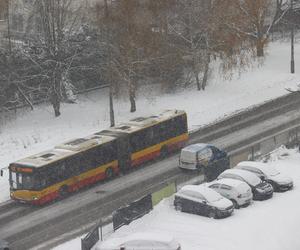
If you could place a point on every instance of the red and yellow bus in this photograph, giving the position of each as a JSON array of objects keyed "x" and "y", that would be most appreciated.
[{"x": 44, "y": 177}]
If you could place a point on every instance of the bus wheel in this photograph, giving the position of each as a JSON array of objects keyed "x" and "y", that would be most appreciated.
[
  {"x": 109, "y": 173},
  {"x": 164, "y": 151},
  {"x": 63, "y": 191}
]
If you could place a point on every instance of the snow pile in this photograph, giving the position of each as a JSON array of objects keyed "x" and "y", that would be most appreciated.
[{"x": 38, "y": 130}]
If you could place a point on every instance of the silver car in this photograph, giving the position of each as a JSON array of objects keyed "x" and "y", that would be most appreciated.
[
  {"x": 261, "y": 190},
  {"x": 237, "y": 191}
]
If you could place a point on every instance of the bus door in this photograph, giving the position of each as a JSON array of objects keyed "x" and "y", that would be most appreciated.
[{"x": 124, "y": 154}]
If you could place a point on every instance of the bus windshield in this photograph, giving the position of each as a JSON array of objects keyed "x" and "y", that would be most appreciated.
[{"x": 22, "y": 180}]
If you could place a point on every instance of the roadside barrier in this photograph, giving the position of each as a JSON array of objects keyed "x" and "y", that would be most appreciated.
[
  {"x": 127, "y": 214},
  {"x": 289, "y": 137}
]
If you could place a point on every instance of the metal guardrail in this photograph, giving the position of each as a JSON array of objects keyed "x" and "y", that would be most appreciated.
[{"x": 127, "y": 214}]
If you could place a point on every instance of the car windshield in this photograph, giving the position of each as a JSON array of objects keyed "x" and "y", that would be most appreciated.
[
  {"x": 212, "y": 196},
  {"x": 253, "y": 180},
  {"x": 22, "y": 181},
  {"x": 270, "y": 171}
]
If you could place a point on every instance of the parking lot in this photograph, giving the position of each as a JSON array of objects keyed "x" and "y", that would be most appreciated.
[{"x": 267, "y": 225}]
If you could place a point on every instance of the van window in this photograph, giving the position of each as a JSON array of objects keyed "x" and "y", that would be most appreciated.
[{"x": 204, "y": 155}]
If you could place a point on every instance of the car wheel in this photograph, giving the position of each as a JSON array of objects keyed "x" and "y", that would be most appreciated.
[
  {"x": 178, "y": 207},
  {"x": 109, "y": 173},
  {"x": 235, "y": 204},
  {"x": 212, "y": 214}
]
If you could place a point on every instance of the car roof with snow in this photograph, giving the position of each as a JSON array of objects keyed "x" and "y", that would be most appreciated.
[
  {"x": 229, "y": 182},
  {"x": 159, "y": 241},
  {"x": 252, "y": 164},
  {"x": 203, "y": 190},
  {"x": 265, "y": 168},
  {"x": 196, "y": 147},
  {"x": 248, "y": 176}
]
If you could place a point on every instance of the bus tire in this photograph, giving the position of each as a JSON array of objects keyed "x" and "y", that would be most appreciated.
[
  {"x": 164, "y": 151},
  {"x": 109, "y": 173},
  {"x": 63, "y": 191}
]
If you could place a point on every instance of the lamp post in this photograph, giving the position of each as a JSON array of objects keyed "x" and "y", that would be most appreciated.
[
  {"x": 292, "y": 39},
  {"x": 111, "y": 103}
]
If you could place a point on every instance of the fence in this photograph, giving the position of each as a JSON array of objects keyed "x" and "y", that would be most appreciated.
[
  {"x": 289, "y": 137},
  {"x": 137, "y": 209},
  {"x": 91, "y": 239},
  {"x": 125, "y": 215}
]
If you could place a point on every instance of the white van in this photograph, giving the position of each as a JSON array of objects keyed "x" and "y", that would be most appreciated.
[
  {"x": 200, "y": 155},
  {"x": 237, "y": 191}
]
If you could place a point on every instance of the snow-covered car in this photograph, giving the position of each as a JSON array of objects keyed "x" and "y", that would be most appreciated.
[
  {"x": 141, "y": 241},
  {"x": 279, "y": 181},
  {"x": 204, "y": 157},
  {"x": 261, "y": 190},
  {"x": 202, "y": 200},
  {"x": 237, "y": 191},
  {"x": 4, "y": 245}
]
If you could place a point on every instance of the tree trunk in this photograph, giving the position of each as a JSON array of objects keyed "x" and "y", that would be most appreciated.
[
  {"x": 55, "y": 101},
  {"x": 260, "y": 48},
  {"x": 206, "y": 71},
  {"x": 197, "y": 80},
  {"x": 132, "y": 96},
  {"x": 111, "y": 107},
  {"x": 132, "y": 104}
]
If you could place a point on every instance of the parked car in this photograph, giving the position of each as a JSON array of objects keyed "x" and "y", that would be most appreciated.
[
  {"x": 204, "y": 157},
  {"x": 4, "y": 245},
  {"x": 202, "y": 200},
  {"x": 140, "y": 241},
  {"x": 261, "y": 190},
  {"x": 279, "y": 181},
  {"x": 237, "y": 191}
]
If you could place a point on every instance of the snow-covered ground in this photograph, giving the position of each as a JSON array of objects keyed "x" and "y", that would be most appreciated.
[
  {"x": 35, "y": 131},
  {"x": 264, "y": 225}
]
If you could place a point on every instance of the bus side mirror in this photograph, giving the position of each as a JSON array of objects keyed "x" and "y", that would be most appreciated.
[{"x": 1, "y": 172}]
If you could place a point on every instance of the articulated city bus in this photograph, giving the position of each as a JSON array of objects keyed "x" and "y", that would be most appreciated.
[{"x": 44, "y": 177}]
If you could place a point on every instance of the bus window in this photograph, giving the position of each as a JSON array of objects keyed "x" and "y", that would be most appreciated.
[
  {"x": 23, "y": 181},
  {"x": 13, "y": 179}
]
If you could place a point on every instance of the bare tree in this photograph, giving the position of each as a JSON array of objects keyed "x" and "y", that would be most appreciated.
[
  {"x": 58, "y": 20},
  {"x": 201, "y": 35},
  {"x": 255, "y": 18}
]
